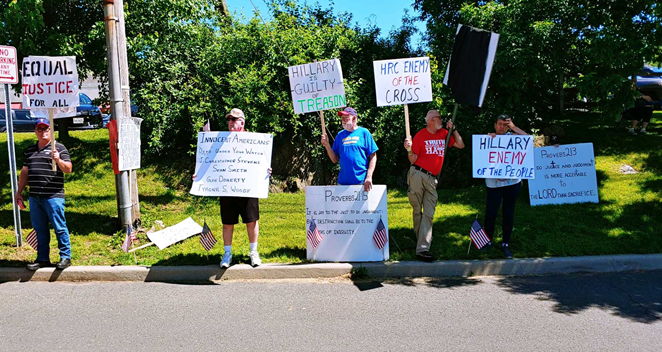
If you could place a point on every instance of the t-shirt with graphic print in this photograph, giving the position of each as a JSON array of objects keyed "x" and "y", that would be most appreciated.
[
  {"x": 353, "y": 149},
  {"x": 431, "y": 149}
]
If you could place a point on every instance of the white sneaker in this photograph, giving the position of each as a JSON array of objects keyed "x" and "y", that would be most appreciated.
[
  {"x": 227, "y": 259},
  {"x": 643, "y": 131},
  {"x": 632, "y": 132},
  {"x": 255, "y": 259}
]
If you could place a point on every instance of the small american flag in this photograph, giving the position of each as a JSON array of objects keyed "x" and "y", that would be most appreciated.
[
  {"x": 207, "y": 239},
  {"x": 313, "y": 235},
  {"x": 32, "y": 239},
  {"x": 206, "y": 128},
  {"x": 380, "y": 235},
  {"x": 478, "y": 236},
  {"x": 129, "y": 238}
]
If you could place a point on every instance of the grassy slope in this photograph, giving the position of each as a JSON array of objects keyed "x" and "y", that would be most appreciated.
[{"x": 627, "y": 219}]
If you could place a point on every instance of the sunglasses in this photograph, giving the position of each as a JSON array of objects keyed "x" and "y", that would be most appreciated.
[
  {"x": 233, "y": 119},
  {"x": 41, "y": 129}
]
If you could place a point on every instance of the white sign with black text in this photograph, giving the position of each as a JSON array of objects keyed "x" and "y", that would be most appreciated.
[
  {"x": 173, "y": 234},
  {"x": 403, "y": 81},
  {"x": 317, "y": 86},
  {"x": 128, "y": 143},
  {"x": 346, "y": 217},
  {"x": 564, "y": 174},
  {"x": 233, "y": 164},
  {"x": 503, "y": 156}
]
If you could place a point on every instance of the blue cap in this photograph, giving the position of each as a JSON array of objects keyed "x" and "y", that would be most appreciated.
[{"x": 42, "y": 121}]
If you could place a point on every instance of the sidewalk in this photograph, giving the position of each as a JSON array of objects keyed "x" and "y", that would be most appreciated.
[{"x": 213, "y": 273}]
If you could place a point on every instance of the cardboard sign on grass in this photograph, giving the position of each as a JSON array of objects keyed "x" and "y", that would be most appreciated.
[
  {"x": 50, "y": 82},
  {"x": 173, "y": 234},
  {"x": 317, "y": 86},
  {"x": 403, "y": 81},
  {"x": 502, "y": 157},
  {"x": 232, "y": 164},
  {"x": 565, "y": 174}
]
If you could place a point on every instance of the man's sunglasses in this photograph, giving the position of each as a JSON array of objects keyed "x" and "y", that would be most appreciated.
[
  {"x": 42, "y": 129},
  {"x": 233, "y": 119}
]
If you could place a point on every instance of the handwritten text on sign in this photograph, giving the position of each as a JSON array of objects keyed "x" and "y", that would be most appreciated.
[
  {"x": 50, "y": 81},
  {"x": 565, "y": 174},
  {"x": 504, "y": 156},
  {"x": 175, "y": 233},
  {"x": 317, "y": 86},
  {"x": 233, "y": 164},
  {"x": 346, "y": 217},
  {"x": 129, "y": 143},
  {"x": 403, "y": 81}
]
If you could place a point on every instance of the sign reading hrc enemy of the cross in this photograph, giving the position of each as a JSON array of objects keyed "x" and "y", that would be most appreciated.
[
  {"x": 51, "y": 83},
  {"x": 232, "y": 164},
  {"x": 8, "y": 65},
  {"x": 317, "y": 86},
  {"x": 403, "y": 81},
  {"x": 564, "y": 174},
  {"x": 504, "y": 156}
]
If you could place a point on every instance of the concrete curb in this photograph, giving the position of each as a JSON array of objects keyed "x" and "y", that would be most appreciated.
[{"x": 212, "y": 273}]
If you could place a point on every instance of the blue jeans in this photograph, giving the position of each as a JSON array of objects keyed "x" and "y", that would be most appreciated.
[{"x": 43, "y": 211}]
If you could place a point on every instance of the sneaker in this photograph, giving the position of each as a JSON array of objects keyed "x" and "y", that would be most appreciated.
[
  {"x": 486, "y": 247},
  {"x": 632, "y": 132},
  {"x": 643, "y": 132},
  {"x": 227, "y": 259},
  {"x": 506, "y": 252},
  {"x": 255, "y": 259},
  {"x": 425, "y": 256}
]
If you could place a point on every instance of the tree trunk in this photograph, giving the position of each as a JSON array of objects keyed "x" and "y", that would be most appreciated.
[{"x": 63, "y": 128}]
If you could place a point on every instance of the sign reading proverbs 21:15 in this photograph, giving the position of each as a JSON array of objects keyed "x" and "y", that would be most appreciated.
[
  {"x": 232, "y": 164},
  {"x": 317, "y": 86}
]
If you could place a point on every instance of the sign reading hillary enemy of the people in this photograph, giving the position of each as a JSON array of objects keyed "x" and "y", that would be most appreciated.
[
  {"x": 317, "y": 86},
  {"x": 233, "y": 164},
  {"x": 403, "y": 81},
  {"x": 50, "y": 82},
  {"x": 346, "y": 218},
  {"x": 503, "y": 156},
  {"x": 564, "y": 174}
]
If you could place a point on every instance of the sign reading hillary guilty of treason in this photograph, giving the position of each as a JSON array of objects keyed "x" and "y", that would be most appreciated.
[
  {"x": 503, "y": 156},
  {"x": 232, "y": 164},
  {"x": 317, "y": 86},
  {"x": 403, "y": 81},
  {"x": 50, "y": 82}
]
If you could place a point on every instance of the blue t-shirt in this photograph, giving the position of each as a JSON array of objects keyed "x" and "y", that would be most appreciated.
[{"x": 353, "y": 149}]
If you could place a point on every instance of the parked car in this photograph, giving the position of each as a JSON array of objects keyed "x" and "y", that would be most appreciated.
[
  {"x": 24, "y": 120},
  {"x": 649, "y": 82},
  {"x": 87, "y": 114}
]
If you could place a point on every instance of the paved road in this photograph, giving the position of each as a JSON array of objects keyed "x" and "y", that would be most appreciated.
[{"x": 589, "y": 312}]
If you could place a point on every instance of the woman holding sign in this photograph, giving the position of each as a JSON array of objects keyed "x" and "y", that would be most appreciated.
[{"x": 502, "y": 191}]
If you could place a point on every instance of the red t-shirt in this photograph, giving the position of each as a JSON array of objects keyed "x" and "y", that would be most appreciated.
[{"x": 430, "y": 149}]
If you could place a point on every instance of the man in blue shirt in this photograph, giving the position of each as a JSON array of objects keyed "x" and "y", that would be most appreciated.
[{"x": 356, "y": 150}]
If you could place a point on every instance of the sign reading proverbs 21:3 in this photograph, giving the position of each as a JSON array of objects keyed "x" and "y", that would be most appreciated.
[
  {"x": 232, "y": 164},
  {"x": 317, "y": 86}
]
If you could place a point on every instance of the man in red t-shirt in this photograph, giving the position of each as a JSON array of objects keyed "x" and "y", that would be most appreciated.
[{"x": 426, "y": 154}]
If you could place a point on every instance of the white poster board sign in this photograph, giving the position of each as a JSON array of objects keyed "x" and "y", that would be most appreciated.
[
  {"x": 317, "y": 86},
  {"x": 504, "y": 156},
  {"x": 346, "y": 217},
  {"x": 50, "y": 82},
  {"x": 233, "y": 164},
  {"x": 128, "y": 143},
  {"x": 403, "y": 81},
  {"x": 173, "y": 234},
  {"x": 8, "y": 65},
  {"x": 564, "y": 174}
]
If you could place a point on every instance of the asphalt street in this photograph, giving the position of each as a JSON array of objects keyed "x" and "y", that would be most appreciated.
[{"x": 578, "y": 312}]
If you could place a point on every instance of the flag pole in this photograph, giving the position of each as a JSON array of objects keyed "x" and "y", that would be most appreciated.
[
  {"x": 407, "y": 129},
  {"x": 469, "y": 249},
  {"x": 448, "y": 138},
  {"x": 322, "y": 121},
  {"x": 141, "y": 247}
]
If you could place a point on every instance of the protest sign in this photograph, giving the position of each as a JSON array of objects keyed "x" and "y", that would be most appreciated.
[
  {"x": 129, "y": 143},
  {"x": 50, "y": 82},
  {"x": 317, "y": 86},
  {"x": 564, "y": 174},
  {"x": 233, "y": 164},
  {"x": 173, "y": 234},
  {"x": 504, "y": 156},
  {"x": 403, "y": 81},
  {"x": 346, "y": 217}
]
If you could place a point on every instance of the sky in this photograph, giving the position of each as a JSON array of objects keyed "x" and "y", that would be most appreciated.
[{"x": 386, "y": 14}]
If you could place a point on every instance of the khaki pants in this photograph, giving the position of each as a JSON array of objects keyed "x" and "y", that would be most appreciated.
[{"x": 422, "y": 194}]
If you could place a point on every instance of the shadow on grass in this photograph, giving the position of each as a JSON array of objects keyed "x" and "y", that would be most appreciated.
[
  {"x": 634, "y": 296},
  {"x": 79, "y": 224}
]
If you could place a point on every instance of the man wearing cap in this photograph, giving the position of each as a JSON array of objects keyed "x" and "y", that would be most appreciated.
[
  {"x": 232, "y": 207},
  {"x": 355, "y": 149},
  {"x": 46, "y": 195},
  {"x": 426, "y": 155}
]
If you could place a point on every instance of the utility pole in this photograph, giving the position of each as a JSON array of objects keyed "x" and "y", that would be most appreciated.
[{"x": 111, "y": 21}]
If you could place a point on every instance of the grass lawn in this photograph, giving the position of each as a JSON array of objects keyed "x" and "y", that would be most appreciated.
[{"x": 627, "y": 219}]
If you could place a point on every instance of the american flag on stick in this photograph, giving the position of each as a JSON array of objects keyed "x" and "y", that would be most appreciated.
[
  {"x": 128, "y": 239},
  {"x": 478, "y": 236},
  {"x": 207, "y": 239},
  {"x": 32, "y": 239},
  {"x": 313, "y": 235},
  {"x": 380, "y": 235}
]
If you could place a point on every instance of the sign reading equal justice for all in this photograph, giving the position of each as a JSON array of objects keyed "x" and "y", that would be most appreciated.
[
  {"x": 317, "y": 86},
  {"x": 403, "y": 81},
  {"x": 503, "y": 157},
  {"x": 346, "y": 217},
  {"x": 233, "y": 164},
  {"x": 50, "y": 82}
]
